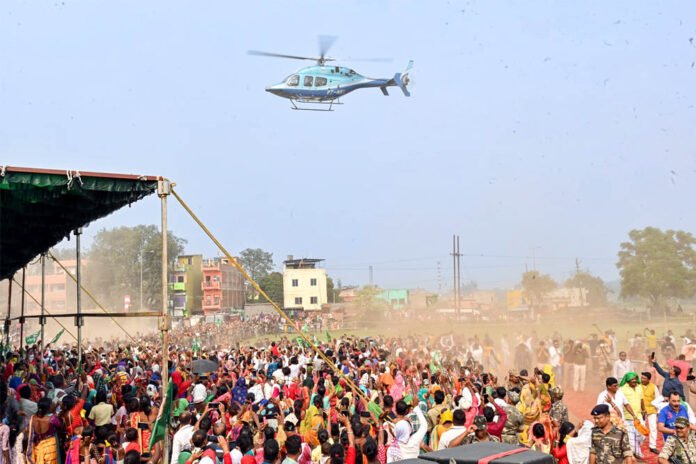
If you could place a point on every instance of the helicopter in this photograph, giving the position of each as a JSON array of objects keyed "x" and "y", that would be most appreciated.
[{"x": 324, "y": 84}]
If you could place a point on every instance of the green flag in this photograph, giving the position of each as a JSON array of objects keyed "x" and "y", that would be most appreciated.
[
  {"x": 163, "y": 418},
  {"x": 196, "y": 348},
  {"x": 31, "y": 339},
  {"x": 328, "y": 336},
  {"x": 57, "y": 337},
  {"x": 374, "y": 408}
]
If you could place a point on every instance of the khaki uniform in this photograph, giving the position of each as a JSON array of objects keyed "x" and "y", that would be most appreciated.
[
  {"x": 434, "y": 414},
  {"x": 610, "y": 448},
  {"x": 559, "y": 412},
  {"x": 674, "y": 449},
  {"x": 513, "y": 425}
]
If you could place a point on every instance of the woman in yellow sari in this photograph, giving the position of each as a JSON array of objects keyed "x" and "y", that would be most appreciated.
[
  {"x": 529, "y": 406},
  {"x": 312, "y": 422},
  {"x": 44, "y": 430}
]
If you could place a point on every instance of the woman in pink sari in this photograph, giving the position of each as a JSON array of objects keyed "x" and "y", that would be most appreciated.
[{"x": 398, "y": 390}]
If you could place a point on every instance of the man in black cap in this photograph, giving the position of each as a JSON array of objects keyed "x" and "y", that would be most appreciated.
[{"x": 609, "y": 444}]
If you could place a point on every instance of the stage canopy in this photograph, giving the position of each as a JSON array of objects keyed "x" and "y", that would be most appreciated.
[{"x": 39, "y": 207}]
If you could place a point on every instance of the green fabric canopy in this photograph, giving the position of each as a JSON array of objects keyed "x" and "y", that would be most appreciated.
[{"x": 38, "y": 208}]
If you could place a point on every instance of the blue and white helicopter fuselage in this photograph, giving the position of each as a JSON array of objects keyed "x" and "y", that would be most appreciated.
[{"x": 325, "y": 84}]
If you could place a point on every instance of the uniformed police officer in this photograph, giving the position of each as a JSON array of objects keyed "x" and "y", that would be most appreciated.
[
  {"x": 680, "y": 447},
  {"x": 609, "y": 444}
]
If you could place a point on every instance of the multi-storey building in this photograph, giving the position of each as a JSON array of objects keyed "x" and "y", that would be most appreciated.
[
  {"x": 304, "y": 284},
  {"x": 223, "y": 286},
  {"x": 185, "y": 285}
]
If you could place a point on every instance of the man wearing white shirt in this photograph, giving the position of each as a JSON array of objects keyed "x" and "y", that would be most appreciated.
[
  {"x": 458, "y": 427},
  {"x": 622, "y": 366},
  {"x": 615, "y": 399},
  {"x": 182, "y": 438},
  {"x": 555, "y": 360},
  {"x": 257, "y": 390}
]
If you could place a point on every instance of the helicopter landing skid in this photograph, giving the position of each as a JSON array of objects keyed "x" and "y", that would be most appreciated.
[{"x": 309, "y": 102}]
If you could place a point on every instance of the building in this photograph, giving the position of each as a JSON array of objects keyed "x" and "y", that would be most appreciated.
[
  {"x": 486, "y": 300},
  {"x": 395, "y": 298},
  {"x": 419, "y": 299},
  {"x": 222, "y": 285},
  {"x": 60, "y": 290},
  {"x": 304, "y": 284},
  {"x": 517, "y": 299},
  {"x": 348, "y": 294},
  {"x": 567, "y": 298},
  {"x": 185, "y": 286}
]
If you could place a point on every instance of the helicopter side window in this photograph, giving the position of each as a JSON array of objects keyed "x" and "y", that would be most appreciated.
[
  {"x": 320, "y": 82},
  {"x": 293, "y": 80},
  {"x": 308, "y": 81}
]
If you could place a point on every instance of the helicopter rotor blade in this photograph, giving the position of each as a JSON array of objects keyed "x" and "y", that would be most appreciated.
[
  {"x": 370, "y": 60},
  {"x": 325, "y": 43},
  {"x": 279, "y": 55}
]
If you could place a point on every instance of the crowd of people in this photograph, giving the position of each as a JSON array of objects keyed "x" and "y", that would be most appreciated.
[{"x": 361, "y": 399}]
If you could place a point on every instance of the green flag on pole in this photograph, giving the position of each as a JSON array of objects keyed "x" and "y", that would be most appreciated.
[
  {"x": 374, "y": 408},
  {"x": 196, "y": 348},
  {"x": 31, "y": 339},
  {"x": 57, "y": 337},
  {"x": 163, "y": 418}
]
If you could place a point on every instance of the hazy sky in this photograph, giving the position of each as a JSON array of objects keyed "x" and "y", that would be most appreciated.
[{"x": 545, "y": 128}]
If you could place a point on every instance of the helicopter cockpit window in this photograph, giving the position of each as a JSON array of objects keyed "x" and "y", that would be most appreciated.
[
  {"x": 351, "y": 72},
  {"x": 320, "y": 82},
  {"x": 308, "y": 81},
  {"x": 293, "y": 80}
]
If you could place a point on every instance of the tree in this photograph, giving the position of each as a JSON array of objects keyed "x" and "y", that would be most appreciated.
[
  {"x": 272, "y": 284},
  {"x": 64, "y": 253},
  {"x": 115, "y": 261},
  {"x": 258, "y": 264},
  {"x": 366, "y": 300},
  {"x": 656, "y": 265},
  {"x": 536, "y": 285},
  {"x": 596, "y": 289},
  {"x": 332, "y": 292}
]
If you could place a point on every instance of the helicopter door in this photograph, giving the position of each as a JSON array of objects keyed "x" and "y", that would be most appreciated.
[{"x": 308, "y": 81}]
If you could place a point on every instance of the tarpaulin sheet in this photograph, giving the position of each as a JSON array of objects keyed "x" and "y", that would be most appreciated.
[{"x": 40, "y": 208}]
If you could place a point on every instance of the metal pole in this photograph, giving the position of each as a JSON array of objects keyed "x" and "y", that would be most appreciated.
[
  {"x": 141, "y": 280},
  {"x": 21, "y": 313},
  {"x": 454, "y": 273},
  {"x": 42, "y": 320},
  {"x": 163, "y": 190},
  {"x": 9, "y": 309},
  {"x": 78, "y": 318},
  {"x": 459, "y": 281}
]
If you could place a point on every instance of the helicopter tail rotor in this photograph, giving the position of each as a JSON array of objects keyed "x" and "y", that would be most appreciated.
[{"x": 403, "y": 79}]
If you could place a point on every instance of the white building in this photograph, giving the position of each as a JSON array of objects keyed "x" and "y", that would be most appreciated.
[{"x": 304, "y": 284}]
